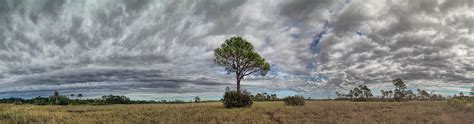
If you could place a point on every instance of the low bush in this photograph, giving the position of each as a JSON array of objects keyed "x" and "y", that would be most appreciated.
[
  {"x": 463, "y": 104},
  {"x": 40, "y": 102},
  {"x": 294, "y": 100},
  {"x": 12, "y": 100},
  {"x": 233, "y": 100},
  {"x": 18, "y": 103},
  {"x": 112, "y": 99},
  {"x": 59, "y": 100}
]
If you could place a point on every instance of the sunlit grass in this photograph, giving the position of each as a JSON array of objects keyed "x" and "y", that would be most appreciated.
[{"x": 260, "y": 112}]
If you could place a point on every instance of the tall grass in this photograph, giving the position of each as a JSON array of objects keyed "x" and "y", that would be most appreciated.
[
  {"x": 463, "y": 104},
  {"x": 260, "y": 112}
]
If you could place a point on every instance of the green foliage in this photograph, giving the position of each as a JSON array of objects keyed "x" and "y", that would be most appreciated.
[
  {"x": 232, "y": 99},
  {"x": 423, "y": 94},
  {"x": 63, "y": 100},
  {"x": 237, "y": 56},
  {"x": 40, "y": 101},
  {"x": 11, "y": 100},
  {"x": 366, "y": 92},
  {"x": 400, "y": 93},
  {"x": 463, "y": 104},
  {"x": 351, "y": 94},
  {"x": 400, "y": 87},
  {"x": 399, "y": 84},
  {"x": 197, "y": 99},
  {"x": 386, "y": 93},
  {"x": 264, "y": 97},
  {"x": 360, "y": 93},
  {"x": 294, "y": 100},
  {"x": 56, "y": 93},
  {"x": 79, "y": 96},
  {"x": 59, "y": 100},
  {"x": 357, "y": 92},
  {"x": 410, "y": 95},
  {"x": 112, "y": 99}
]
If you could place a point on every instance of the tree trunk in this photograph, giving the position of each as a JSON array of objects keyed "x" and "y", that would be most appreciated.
[{"x": 238, "y": 84}]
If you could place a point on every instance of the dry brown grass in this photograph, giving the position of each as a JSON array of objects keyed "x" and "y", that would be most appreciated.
[{"x": 260, "y": 112}]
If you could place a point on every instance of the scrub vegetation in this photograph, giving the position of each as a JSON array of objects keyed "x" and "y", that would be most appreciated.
[{"x": 259, "y": 112}]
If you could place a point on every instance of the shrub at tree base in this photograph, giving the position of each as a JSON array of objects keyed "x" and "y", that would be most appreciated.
[
  {"x": 294, "y": 100},
  {"x": 233, "y": 100}
]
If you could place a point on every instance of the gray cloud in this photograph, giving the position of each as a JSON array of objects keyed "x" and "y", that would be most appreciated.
[
  {"x": 146, "y": 47},
  {"x": 375, "y": 41}
]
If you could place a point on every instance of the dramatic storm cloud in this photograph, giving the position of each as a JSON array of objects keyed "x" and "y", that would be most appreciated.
[{"x": 153, "y": 49}]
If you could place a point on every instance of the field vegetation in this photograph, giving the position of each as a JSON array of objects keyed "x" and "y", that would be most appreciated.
[{"x": 260, "y": 112}]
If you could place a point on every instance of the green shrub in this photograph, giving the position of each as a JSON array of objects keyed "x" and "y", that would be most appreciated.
[
  {"x": 463, "y": 104},
  {"x": 18, "y": 103},
  {"x": 40, "y": 102},
  {"x": 59, "y": 100},
  {"x": 264, "y": 97},
  {"x": 294, "y": 100},
  {"x": 112, "y": 99},
  {"x": 12, "y": 100},
  {"x": 233, "y": 100}
]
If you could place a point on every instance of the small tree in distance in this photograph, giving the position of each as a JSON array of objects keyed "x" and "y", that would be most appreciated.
[
  {"x": 294, "y": 100},
  {"x": 197, "y": 99},
  {"x": 79, "y": 96},
  {"x": 383, "y": 93},
  {"x": 366, "y": 92},
  {"x": 56, "y": 93},
  {"x": 237, "y": 56},
  {"x": 400, "y": 88},
  {"x": 357, "y": 92},
  {"x": 390, "y": 93},
  {"x": 57, "y": 99}
]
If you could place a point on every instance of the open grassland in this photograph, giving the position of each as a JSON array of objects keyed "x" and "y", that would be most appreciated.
[{"x": 260, "y": 112}]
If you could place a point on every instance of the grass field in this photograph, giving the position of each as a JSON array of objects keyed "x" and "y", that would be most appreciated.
[{"x": 260, "y": 112}]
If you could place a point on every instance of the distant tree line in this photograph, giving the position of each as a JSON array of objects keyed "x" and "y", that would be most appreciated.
[
  {"x": 77, "y": 99},
  {"x": 463, "y": 102},
  {"x": 400, "y": 93},
  {"x": 264, "y": 97},
  {"x": 294, "y": 100},
  {"x": 73, "y": 99}
]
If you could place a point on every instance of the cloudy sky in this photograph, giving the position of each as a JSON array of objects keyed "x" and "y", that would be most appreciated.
[{"x": 163, "y": 49}]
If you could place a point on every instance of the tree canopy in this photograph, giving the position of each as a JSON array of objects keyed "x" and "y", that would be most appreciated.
[
  {"x": 400, "y": 89},
  {"x": 237, "y": 55}
]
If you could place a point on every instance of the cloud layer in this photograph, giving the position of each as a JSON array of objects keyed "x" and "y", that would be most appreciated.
[
  {"x": 376, "y": 41},
  {"x": 163, "y": 49}
]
